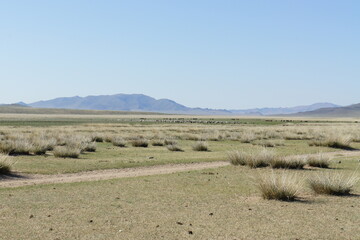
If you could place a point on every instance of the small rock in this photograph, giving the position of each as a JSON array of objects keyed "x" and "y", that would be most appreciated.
[
  {"x": 180, "y": 223},
  {"x": 91, "y": 221},
  {"x": 191, "y": 232},
  {"x": 211, "y": 214}
]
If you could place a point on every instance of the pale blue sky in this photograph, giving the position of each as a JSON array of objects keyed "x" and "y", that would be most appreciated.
[{"x": 200, "y": 53}]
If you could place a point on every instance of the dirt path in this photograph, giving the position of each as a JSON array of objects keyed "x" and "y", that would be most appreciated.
[{"x": 36, "y": 179}]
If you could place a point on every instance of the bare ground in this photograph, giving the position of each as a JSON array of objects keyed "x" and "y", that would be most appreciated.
[{"x": 18, "y": 179}]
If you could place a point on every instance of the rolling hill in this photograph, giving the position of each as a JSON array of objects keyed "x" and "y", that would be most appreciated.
[
  {"x": 347, "y": 111},
  {"x": 142, "y": 103}
]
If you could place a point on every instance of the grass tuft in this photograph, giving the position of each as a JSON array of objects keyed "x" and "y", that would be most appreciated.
[
  {"x": 281, "y": 187},
  {"x": 332, "y": 183},
  {"x": 289, "y": 162},
  {"x": 320, "y": 161},
  {"x": 140, "y": 142},
  {"x": 200, "y": 146},
  {"x": 67, "y": 152},
  {"x": 5, "y": 165},
  {"x": 174, "y": 148}
]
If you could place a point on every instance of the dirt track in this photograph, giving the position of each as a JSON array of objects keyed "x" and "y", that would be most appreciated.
[{"x": 18, "y": 180}]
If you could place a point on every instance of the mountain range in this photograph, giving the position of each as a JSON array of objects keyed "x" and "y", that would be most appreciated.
[{"x": 143, "y": 103}]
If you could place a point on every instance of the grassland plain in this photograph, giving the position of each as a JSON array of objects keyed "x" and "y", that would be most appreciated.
[
  {"x": 220, "y": 203},
  {"x": 208, "y": 204}
]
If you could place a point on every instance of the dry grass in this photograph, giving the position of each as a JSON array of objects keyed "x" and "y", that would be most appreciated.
[
  {"x": 66, "y": 152},
  {"x": 118, "y": 142},
  {"x": 320, "y": 161},
  {"x": 260, "y": 159},
  {"x": 238, "y": 157},
  {"x": 281, "y": 186},
  {"x": 174, "y": 148},
  {"x": 331, "y": 183},
  {"x": 140, "y": 142},
  {"x": 290, "y": 162},
  {"x": 334, "y": 141},
  {"x": 5, "y": 165},
  {"x": 200, "y": 146},
  {"x": 157, "y": 142}
]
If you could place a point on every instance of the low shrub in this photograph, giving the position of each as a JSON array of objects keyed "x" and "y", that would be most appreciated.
[{"x": 334, "y": 141}]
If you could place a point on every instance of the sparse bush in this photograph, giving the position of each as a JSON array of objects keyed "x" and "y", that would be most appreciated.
[
  {"x": 289, "y": 162},
  {"x": 118, "y": 142},
  {"x": 332, "y": 183},
  {"x": 320, "y": 161},
  {"x": 139, "y": 142},
  {"x": 5, "y": 165},
  {"x": 67, "y": 152},
  {"x": 200, "y": 146},
  {"x": 238, "y": 158},
  {"x": 174, "y": 148},
  {"x": 278, "y": 187}
]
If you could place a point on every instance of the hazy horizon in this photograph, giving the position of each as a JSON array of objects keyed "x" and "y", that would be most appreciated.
[{"x": 208, "y": 54}]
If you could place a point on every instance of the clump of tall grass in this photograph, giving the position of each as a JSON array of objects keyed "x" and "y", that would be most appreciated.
[
  {"x": 333, "y": 141},
  {"x": 157, "y": 142},
  {"x": 118, "y": 142},
  {"x": 247, "y": 137},
  {"x": 200, "y": 146},
  {"x": 332, "y": 183},
  {"x": 67, "y": 152},
  {"x": 261, "y": 159},
  {"x": 281, "y": 186},
  {"x": 5, "y": 165},
  {"x": 289, "y": 162},
  {"x": 320, "y": 160},
  {"x": 174, "y": 148},
  {"x": 95, "y": 137},
  {"x": 21, "y": 146},
  {"x": 140, "y": 142},
  {"x": 253, "y": 159},
  {"x": 90, "y": 147},
  {"x": 169, "y": 141},
  {"x": 238, "y": 158}
]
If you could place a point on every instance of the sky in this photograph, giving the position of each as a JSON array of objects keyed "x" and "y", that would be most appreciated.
[{"x": 200, "y": 53}]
